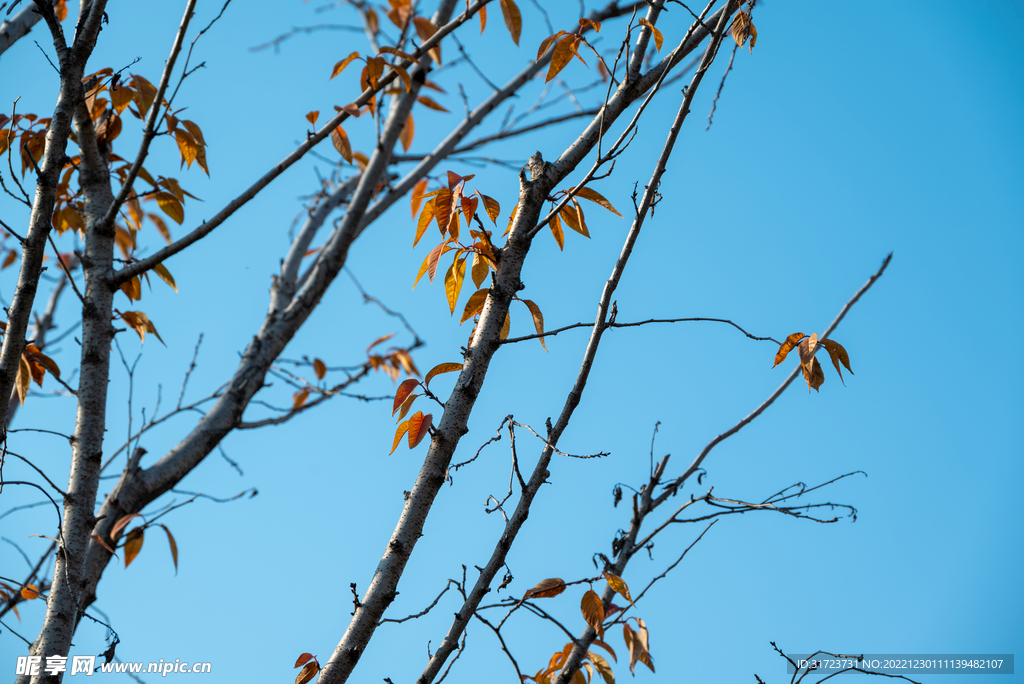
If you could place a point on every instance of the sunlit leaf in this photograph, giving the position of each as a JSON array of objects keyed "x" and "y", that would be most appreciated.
[
  {"x": 307, "y": 672},
  {"x": 425, "y": 29},
  {"x": 439, "y": 369},
  {"x": 340, "y": 66},
  {"x": 132, "y": 545},
  {"x": 538, "y": 320},
  {"x": 475, "y": 304},
  {"x": 453, "y": 282},
  {"x": 602, "y": 666},
  {"x": 403, "y": 392},
  {"x": 618, "y": 585},
  {"x": 595, "y": 196},
  {"x": 419, "y": 427},
  {"x": 505, "y": 327},
  {"x": 29, "y": 592},
  {"x": 313, "y": 116},
  {"x": 556, "y": 229},
  {"x": 598, "y": 642},
  {"x": 303, "y": 659},
  {"x": 406, "y": 136},
  {"x": 480, "y": 269},
  {"x": 23, "y": 379},
  {"x": 299, "y": 398},
  {"x": 563, "y": 52},
  {"x": 403, "y": 427},
  {"x": 483, "y": 18},
  {"x": 546, "y": 588},
  {"x": 787, "y": 346},
  {"x": 418, "y": 196},
  {"x": 658, "y": 38}
]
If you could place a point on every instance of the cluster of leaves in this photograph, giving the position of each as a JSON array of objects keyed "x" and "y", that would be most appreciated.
[
  {"x": 132, "y": 542},
  {"x": 595, "y": 616},
  {"x": 807, "y": 347},
  {"x": 392, "y": 362},
  {"x": 567, "y": 46},
  {"x": 743, "y": 28},
  {"x": 32, "y": 368},
  {"x": 419, "y": 424},
  {"x": 572, "y": 215}
]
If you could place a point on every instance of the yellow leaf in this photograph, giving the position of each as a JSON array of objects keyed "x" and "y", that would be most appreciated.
[
  {"x": 23, "y": 379},
  {"x": 595, "y": 196},
  {"x": 572, "y": 215},
  {"x": 186, "y": 147},
  {"x": 29, "y": 592},
  {"x": 602, "y": 666},
  {"x": 418, "y": 195},
  {"x": 593, "y": 610},
  {"x": 453, "y": 282},
  {"x": 491, "y": 206},
  {"x": 618, "y": 585},
  {"x": 546, "y": 588},
  {"x": 513, "y": 19},
  {"x": 132, "y": 545}
]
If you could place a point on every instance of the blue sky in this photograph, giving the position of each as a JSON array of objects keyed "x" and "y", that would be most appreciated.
[{"x": 850, "y": 132}]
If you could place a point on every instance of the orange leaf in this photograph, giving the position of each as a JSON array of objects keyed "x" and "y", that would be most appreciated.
[
  {"x": 406, "y": 405},
  {"x": 787, "y": 347},
  {"x": 319, "y": 368},
  {"x": 418, "y": 193},
  {"x": 595, "y": 196},
  {"x": 658, "y": 38},
  {"x": 572, "y": 214},
  {"x": 132, "y": 545},
  {"x": 430, "y": 104},
  {"x": 598, "y": 642},
  {"x": 303, "y": 659},
  {"x": 122, "y": 522},
  {"x": 475, "y": 304},
  {"x": 419, "y": 427},
  {"x": 11, "y": 257},
  {"x": 564, "y": 50},
  {"x": 29, "y": 592},
  {"x": 469, "y": 205},
  {"x": 402, "y": 393},
  {"x": 342, "y": 64},
  {"x": 403, "y": 427},
  {"x": 546, "y": 43},
  {"x": 340, "y": 141},
  {"x": 513, "y": 19},
  {"x": 299, "y": 398},
  {"x": 173, "y": 545},
  {"x": 593, "y": 610},
  {"x": 439, "y": 369},
  {"x": 425, "y": 29},
  {"x": 382, "y": 338},
  {"x": 425, "y": 218},
  {"x": 505, "y": 326},
  {"x": 406, "y": 136},
  {"x": 104, "y": 544},
  {"x": 491, "y": 206},
  {"x": 483, "y": 18},
  {"x": 312, "y": 116},
  {"x": 538, "y": 320},
  {"x": 556, "y": 230},
  {"x": 197, "y": 133},
  {"x": 546, "y": 588},
  {"x": 170, "y": 205},
  {"x": 165, "y": 276}
]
